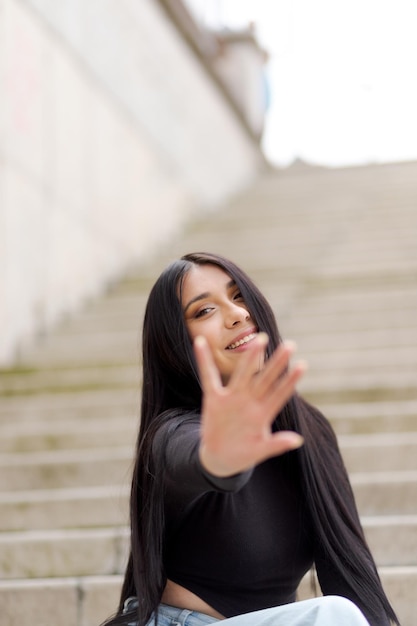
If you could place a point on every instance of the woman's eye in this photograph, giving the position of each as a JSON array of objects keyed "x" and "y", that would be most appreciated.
[
  {"x": 238, "y": 296},
  {"x": 203, "y": 312}
]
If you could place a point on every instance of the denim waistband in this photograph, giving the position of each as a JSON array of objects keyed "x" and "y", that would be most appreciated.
[{"x": 173, "y": 616}]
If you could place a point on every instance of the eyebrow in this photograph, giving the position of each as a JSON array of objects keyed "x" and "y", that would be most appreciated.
[{"x": 206, "y": 294}]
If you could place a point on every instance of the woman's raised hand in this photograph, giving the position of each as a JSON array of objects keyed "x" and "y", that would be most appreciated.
[{"x": 236, "y": 418}]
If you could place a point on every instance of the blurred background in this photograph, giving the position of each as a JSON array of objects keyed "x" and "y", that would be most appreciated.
[
  {"x": 280, "y": 134},
  {"x": 340, "y": 76},
  {"x": 117, "y": 124}
]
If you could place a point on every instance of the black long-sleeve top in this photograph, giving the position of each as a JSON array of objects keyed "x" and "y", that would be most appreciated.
[{"x": 241, "y": 543}]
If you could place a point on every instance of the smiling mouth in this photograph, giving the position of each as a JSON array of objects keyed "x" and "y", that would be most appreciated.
[{"x": 242, "y": 341}]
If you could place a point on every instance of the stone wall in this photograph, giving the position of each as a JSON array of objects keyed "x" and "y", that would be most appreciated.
[{"x": 111, "y": 135}]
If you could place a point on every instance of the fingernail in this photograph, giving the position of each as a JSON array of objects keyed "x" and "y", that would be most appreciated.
[
  {"x": 290, "y": 345},
  {"x": 297, "y": 441},
  {"x": 262, "y": 338},
  {"x": 303, "y": 365}
]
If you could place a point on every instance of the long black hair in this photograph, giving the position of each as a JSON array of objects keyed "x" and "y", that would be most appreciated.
[{"x": 171, "y": 392}]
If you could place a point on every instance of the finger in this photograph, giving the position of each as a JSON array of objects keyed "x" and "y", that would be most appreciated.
[
  {"x": 209, "y": 374},
  {"x": 283, "y": 441},
  {"x": 249, "y": 362},
  {"x": 285, "y": 388},
  {"x": 274, "y": 368}
]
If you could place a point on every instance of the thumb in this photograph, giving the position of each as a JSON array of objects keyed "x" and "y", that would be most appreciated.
[{"x": 284, "y": 441}]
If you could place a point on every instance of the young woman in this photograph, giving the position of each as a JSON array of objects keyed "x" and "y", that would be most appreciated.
[{"x": 238, "y": 487}]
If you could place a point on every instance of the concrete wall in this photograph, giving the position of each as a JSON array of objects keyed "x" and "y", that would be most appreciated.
[
  {"x": 241, "y": 65},
  {"x": 111, "y": 135}
]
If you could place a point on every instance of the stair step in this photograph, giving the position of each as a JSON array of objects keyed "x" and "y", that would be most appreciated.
[
  {"x": 70, "y": 552},
  {"x": 357, "y": 368},
  {"x": 318, "y": 384},
  {"x": 377, "y": 493},
  {"x": 105, "y": 377},
  {"x": 111, "y": 466},
  {"x": 371, "y": 417},
  {"x": 67, "y": 435},
  {"x": 350, "y": 381},
  {"x": 370, "y": 388},
  {"x": 69, "y": 468},
  {"x": 99, "y": 551},
  {"x": 72, "y": 424},
  {"x": 392, "y": 539},
  {"x": 121, "y": 345},
  {"x": 357, "y": 305},
  {"x": 357, "y": 391},
  {"x": 82, "y": 507},
  {"x": 326, "y": 298},
  {"x": 360, "y": 340},
  {"x": 100, "y": 403},
  {"x": 79, "y": 422},
  {"x": 385, "y": 493},
  {"x": 87, "y": 601},
  {"x": 373, "y": 453},
  {"x": 64, "y": 601},
  {"x": 321, "y": 363}
]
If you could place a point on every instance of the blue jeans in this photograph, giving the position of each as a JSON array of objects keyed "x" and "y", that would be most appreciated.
[{"x": 323, "y": 611}]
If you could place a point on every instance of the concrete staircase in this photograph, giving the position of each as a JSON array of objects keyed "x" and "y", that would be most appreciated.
[{"x": 335, "y": 251}]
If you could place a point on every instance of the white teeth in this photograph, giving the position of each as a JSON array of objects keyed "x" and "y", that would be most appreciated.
[{"x": 241, "y": 341}]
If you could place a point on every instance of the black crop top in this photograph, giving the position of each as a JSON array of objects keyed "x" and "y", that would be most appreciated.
[{"x": 241, "y": 543}]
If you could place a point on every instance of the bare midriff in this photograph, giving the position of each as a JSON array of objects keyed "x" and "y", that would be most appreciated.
[{"x": 178, "y": 596}]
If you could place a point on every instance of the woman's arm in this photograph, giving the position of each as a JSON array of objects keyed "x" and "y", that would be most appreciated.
[{"x": 176, "y": 453}]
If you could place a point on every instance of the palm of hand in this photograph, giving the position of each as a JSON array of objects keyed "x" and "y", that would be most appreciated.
[{"x": 236, "y": 418}]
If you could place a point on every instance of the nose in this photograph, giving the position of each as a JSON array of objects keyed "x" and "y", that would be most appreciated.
[{"x": 236, "y": 314}]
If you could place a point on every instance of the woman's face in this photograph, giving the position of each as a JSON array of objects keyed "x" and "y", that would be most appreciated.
[{"x": 213, "y": 307}]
